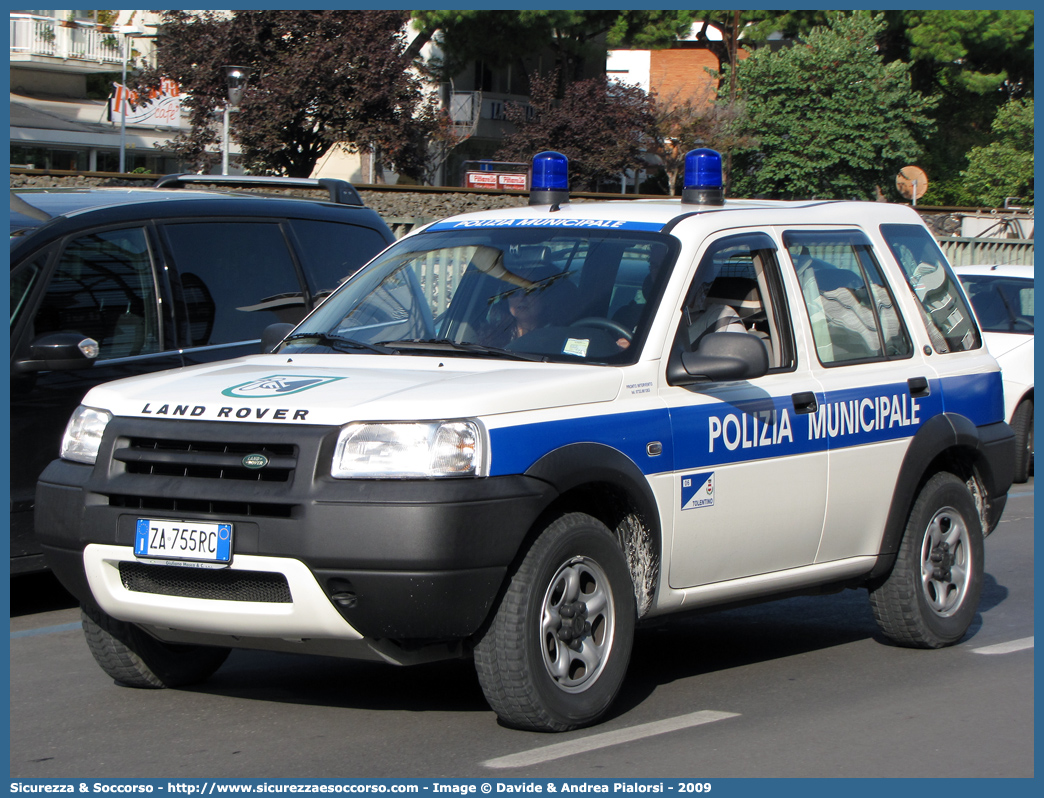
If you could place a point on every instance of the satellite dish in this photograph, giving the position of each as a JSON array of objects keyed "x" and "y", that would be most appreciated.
[{"x": 912, "y": 182}]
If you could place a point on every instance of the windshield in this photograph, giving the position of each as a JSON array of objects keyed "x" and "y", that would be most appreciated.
[{"x": 533, "y": 293}]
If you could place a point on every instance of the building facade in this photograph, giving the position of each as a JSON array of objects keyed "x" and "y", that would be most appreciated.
[{"x": 64, "y": 64}]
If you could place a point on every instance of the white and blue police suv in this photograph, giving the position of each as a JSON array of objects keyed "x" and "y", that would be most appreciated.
[{"x": 516, "y": 434}]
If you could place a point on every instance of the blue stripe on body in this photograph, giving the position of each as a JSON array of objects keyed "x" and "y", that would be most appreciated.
[
  {"x": 978, "y": 397},
  {"x": 515, "y": 449},
  {"x": 720, "y": 433}
]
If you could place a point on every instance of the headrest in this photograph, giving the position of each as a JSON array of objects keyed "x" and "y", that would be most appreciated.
[{"x": 739, "y": 293}]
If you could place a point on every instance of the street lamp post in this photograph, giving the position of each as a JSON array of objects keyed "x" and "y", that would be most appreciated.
[
  {"x": 129, "y": 33},
  {"x": 236, "y": 78}
]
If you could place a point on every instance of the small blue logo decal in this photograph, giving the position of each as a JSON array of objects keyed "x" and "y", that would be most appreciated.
[{"x": 697, "y": 490}]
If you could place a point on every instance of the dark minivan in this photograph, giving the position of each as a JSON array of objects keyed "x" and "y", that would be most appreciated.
[{"x": 113, "y": 282}]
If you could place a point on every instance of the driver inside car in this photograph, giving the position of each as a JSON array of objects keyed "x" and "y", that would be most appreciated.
[{"x": 549, "y": 300}]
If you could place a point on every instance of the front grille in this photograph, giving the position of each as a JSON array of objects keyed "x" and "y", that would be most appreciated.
[
  {"x": 205, "y": 583},
  {"x": 223, "y": 509},
  {"x": 205, "y": 459}
]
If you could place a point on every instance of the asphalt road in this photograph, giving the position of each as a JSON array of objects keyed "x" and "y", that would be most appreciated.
[{"x": 799, "y": 688}]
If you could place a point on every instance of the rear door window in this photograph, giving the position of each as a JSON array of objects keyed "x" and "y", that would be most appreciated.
[
  {"x": 231, "y": 280},
  {"x": 850, "y": 308}
]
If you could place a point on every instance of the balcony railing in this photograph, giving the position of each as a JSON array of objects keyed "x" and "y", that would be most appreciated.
[{"x": 45, "y": 36}]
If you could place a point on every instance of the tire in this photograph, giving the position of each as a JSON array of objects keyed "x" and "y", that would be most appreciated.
[
  {"x": 1022, "y": 424},
  {"x": 133, "y": 658},
  {"x": 556, "y": 652},
  {"x": 932, "y": 593}
]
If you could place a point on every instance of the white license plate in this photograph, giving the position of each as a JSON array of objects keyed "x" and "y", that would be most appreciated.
[{"x": 183, "y": 540}]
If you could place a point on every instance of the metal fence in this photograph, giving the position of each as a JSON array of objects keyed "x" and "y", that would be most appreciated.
[
  {"x": 401, "y": 225},
  {"x": 439, "y": 274},
  {"x": 969, "y": 251}
]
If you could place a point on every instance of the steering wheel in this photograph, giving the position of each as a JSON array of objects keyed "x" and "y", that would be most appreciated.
[{"x": 605, "y": 324}]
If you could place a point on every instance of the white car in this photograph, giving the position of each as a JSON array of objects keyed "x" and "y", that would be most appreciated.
[
  {"x": 517, "y": 433},
  {"x": 1002, "y": 297}
]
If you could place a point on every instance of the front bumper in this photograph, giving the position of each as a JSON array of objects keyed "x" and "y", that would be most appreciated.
[
  {"x": 308, "y": 615},
  {"x": 390, "y": 559}
]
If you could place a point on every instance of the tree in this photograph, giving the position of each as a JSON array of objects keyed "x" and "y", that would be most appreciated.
[
  {"x": 964, "y": 51},
  {"x": 973, "y": 61},
  {"x": 833, "y": 120},
  {"x": 682, "y": 122},
  {"x": 444, "y": 136},
  {"x": 1004, "y": 168},
  {"x": 947, "y": 49},
  {"x": 600, "y": 126},
  {"x": 319, "y": 78},
  {"x": 576, "y": 38}
]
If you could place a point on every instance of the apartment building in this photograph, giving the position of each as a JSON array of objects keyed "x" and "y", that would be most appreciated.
[{"x": 63, "y": 67}]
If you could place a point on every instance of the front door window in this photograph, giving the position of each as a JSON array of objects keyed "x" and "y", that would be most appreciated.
[{"x": 103, "y": 287}]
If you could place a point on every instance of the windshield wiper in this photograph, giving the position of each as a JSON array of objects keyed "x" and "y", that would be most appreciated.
[
  {"x": 440, "y": 345},
  {"x": 339, "y": 343}
]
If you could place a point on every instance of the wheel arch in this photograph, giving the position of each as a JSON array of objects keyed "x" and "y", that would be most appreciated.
[
  {"x": 606, "y": 484},
  {"x": 981, "y": 456}
]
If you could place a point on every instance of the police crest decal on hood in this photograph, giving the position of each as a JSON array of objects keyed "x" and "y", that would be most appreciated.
[{"x": 277, "y": 385}]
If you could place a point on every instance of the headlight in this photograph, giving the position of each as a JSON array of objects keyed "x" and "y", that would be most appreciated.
[
  {"x": 424, "y": 449},
  {"x": 83, "y": 434}
]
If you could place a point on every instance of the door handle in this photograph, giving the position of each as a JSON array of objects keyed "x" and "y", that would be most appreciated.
[
  {"x": 919, "y": 387},
  {"x": 805, "y": 402}
]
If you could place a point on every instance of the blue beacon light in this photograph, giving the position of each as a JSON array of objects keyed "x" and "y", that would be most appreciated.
[
  {"x": 550, "y": 181},
  {"x": 704, "y": 184}
]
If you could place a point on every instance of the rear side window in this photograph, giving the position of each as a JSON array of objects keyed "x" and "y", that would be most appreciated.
[
  {"x": 852, "y": 312},
  {"x": 233, "y": 279},
  {"x": 951, "y": 326},
  {"x": 333, "y": 252},
  {"x": 103, "y": 287}
]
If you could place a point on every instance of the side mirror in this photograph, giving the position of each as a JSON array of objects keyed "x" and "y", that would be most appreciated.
[
  {"x": 720, "y": 357},
  {"x": 59, "y": 351},
  {"x": 273, "y": 335}
]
